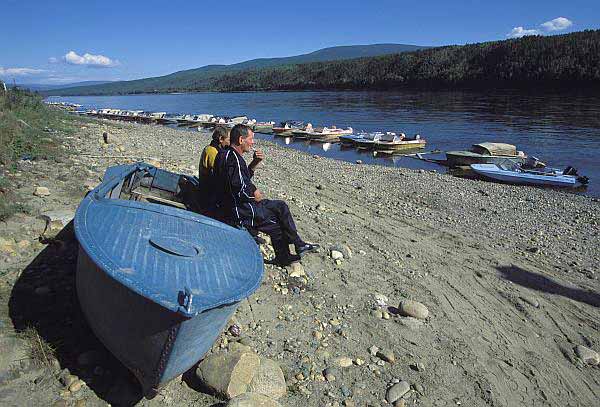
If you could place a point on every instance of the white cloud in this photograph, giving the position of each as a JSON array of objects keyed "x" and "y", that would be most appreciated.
[
  {"x": 20, "y": 71},
  {"x": 53, "y": 60},
  {"x": 519, "y": 32},
  {"x": 98, "y": 61},
  {"x": 557, "y": 24}
]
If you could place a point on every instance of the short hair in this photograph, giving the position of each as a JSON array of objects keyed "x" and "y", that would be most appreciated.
[
  {"x": 221, "y": 132},
  {"x": 239, "y": 130}
]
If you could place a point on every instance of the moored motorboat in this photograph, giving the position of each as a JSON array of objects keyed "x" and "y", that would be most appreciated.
[
  {"x": 349, "y": 140},
  {"x": 327, "y": 134},
  {"x": 286, "y": 128},
  {"x": 485, "y": 153},
  {"x": 263, "y": 127},
  {"x": 366, "y": 141},
  {"x": 391, "y": 142},
  {"x": 158, "y": 283},
  {"x": 512, "y": 173}
]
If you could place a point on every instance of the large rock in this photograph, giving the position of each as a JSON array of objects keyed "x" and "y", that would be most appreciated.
[
  {"x": 269, "y": 380},
  {"x": 410, "y": 308},
  {"x": 229, "y": 374},
  {"x": 253, "y": 400}
]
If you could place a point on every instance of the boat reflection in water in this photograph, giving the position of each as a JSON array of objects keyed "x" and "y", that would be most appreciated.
[
  {"x": 325, "y": 146},
  {"x": 288, "y": 140}
]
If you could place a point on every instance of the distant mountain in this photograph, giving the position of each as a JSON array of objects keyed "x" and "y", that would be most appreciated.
[
  {"x": 45, "y": 87},
  {"x": 195, "y": 79}
]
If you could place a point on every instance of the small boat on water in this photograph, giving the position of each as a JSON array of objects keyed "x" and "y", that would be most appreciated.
[
  {"x": 157, "y": 283},
  {"x": 391, "y": 142},
  {"x": 485, "y": 153},
  {"x": 287, "y": 127},
  {"x": 196, "y": 120},
  {"x": 227, "y": 121},
  {"x": 169, "y": 118},
  {"x": 263, "y": 127},
  {"x": 512, "y": 173},
  {"x": 327, "y": 134},
  {"x": 349, "y": 140}
]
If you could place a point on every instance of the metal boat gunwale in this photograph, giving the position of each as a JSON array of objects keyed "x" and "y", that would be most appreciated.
[{"x": 97, "y": 196}]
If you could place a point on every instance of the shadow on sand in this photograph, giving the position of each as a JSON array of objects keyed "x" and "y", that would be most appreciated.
[
  {"x": 44, "y": 297},
  {"x": 545, "y": 284}
]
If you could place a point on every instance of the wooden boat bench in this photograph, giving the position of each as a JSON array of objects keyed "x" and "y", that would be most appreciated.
[{"x": 138, "y": 196}]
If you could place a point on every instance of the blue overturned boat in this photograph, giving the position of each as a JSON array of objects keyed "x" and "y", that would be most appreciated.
[
  {"x": 157, "y": 282},
  {"x": 512, "y": 173}
]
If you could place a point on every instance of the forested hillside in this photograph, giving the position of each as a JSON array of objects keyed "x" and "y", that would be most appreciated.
[
  {"x": 570, "y": 60},
  {"x": 565, "y": 60}
]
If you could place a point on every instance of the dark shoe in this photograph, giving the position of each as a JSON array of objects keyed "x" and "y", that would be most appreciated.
[
  {"x": 283, "y": 261},
  {"x": 306, "y": 248}
]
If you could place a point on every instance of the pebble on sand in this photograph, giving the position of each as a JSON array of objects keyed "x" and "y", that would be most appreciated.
[
  {"x": 386, "y": 355},
  {"x": 335, "y": 255},
  {"x": 253, "y": 400},
  {"x": 297, "y": 270},
  {"x": 588, "y": 355},
  {"x": 395, "y": 392},
  {"x": 415, "y": 309},
  {"x": 343, "y": 361}
]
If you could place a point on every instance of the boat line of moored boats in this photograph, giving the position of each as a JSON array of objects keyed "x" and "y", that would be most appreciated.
[
  {"x": 495, "y": 161},
  {"x": 384, "y": 142}
]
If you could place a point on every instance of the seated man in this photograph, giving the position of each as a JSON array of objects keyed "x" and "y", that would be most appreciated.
[
  {"x": 243, "y": 204},
  {"x": 220, "y": 140},
  {"x": 206, "y": 198}
]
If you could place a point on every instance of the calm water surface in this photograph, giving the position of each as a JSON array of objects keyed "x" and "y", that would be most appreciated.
[{"x": 560, "y": 129}]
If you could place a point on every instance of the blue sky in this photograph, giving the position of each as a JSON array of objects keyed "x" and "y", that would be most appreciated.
[{"x": 68, "y": 41}]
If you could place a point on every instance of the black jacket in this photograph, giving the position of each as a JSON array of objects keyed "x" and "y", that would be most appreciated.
[{"x": 234, "y": 188}]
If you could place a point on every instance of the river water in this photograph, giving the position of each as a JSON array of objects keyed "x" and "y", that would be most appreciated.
[{"x": 560, "y": 129}]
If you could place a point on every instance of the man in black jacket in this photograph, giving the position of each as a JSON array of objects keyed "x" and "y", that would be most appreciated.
[{"x": 243, "y": 204}]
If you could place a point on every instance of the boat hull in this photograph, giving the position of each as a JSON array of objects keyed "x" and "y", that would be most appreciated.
[
  {"x": 155, "y": 343},
  {"x": 494, "y": 173}
]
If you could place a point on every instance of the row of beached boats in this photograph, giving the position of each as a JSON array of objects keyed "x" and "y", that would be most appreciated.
[{"x": 183, "y": 120}]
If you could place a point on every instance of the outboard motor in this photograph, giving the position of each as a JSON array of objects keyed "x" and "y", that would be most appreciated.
[{"x": 583, "y": 180}]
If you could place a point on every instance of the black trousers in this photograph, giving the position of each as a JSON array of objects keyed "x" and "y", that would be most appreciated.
[{"x": 274, "y": 218}]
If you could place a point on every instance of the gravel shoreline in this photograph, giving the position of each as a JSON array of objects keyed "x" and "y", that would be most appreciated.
[{"x": 508, "y": 275}]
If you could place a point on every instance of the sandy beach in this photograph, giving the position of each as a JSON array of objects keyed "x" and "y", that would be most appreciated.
[{"x": 508, "y": 276}]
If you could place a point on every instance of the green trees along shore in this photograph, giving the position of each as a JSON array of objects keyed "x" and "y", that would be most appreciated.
[{"x": 570, "y": 60}]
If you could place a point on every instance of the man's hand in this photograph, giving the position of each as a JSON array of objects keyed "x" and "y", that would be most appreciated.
[
  {"x": 256, "y": 159},
  {"x": 258, "y": 156},
  {"x": 258, "y": 196}
]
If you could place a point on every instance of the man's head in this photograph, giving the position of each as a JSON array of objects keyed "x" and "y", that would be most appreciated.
[
  {"x": 221, "y": 136},
  {"x": 242, "y": 137}
]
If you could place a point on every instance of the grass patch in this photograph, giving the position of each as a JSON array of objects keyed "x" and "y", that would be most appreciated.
[
  {"x": 39, "y": 351},
  {"x": 29, "y": 129}
]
